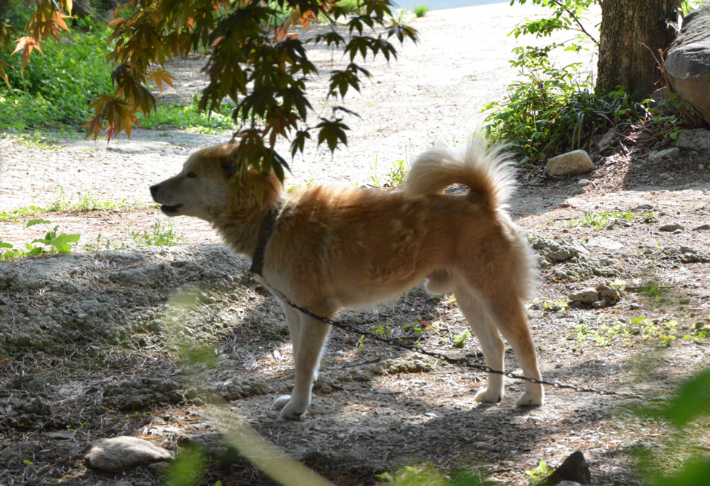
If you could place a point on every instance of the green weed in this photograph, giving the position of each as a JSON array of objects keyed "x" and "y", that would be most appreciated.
[
  {"x": 161, "y": 235},
  {"x": 381, "y": 331},
  {"x": 53, "y": 242},
  {"x": 394, "y": 178},
  {"x": 461, "y": 338},
  {"x": 539, "y": 473},
  {"x": 555, "y": 306},
  {"x": 15, "y": 214},
  {"x": 421, "y": 10},
  {"x": 397, "y": 175},
  {"x": 602, "y": 220}
]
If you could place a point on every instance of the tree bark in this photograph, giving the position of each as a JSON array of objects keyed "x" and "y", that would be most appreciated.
[{"x": 631, "y": 34}]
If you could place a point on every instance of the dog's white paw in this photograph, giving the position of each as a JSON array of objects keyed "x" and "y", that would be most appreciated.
[
  {"x": 531, "y": 399},
  {"x": 294, "y": 410},
  {"x": 281, "y": 402},
  {"x": 488, "y": 396}
]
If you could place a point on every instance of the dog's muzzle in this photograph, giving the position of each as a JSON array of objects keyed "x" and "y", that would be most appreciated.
[{"x": 167, "y": 210}]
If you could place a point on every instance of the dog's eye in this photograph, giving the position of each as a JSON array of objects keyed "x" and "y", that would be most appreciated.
[{"x": 191, "y": 175}]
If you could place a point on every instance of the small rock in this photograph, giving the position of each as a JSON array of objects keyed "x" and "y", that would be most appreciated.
[
  {"x": 664, "y": 175},
  {"x": 662, "y": 154},
  {"x": 583, "y": 182},
  {"x": 574, "y": 469},
  {"x": 571, "y": 163},
  {"x": 701, "y": 167},
  {"x": 698, "y": 139},
  {"x": 608, "y": 294},
  {"x": 702, "y": 227},
  {"x": 120, "y": 453},
  {"x": 606, "y": 139},
  {"x": 671, "y": 227},
  {"x": 585, "y": 296},
  {"x": 555, "y": 251}
]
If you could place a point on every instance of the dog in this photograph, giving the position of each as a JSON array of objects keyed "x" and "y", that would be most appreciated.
[{"x": 337, "y": 247}]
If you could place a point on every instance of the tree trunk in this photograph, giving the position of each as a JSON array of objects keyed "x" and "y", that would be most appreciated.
[{"x": 631, "y": 33}]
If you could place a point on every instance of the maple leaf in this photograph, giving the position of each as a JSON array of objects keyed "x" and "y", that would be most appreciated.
[
  {"x": 3, "y": 74},
  {"x": 160, "y": 76},
  {"x": 26, "y": 44}
]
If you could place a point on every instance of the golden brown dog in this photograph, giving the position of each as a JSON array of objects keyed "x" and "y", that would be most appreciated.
[{"x": 335, "y": 247}]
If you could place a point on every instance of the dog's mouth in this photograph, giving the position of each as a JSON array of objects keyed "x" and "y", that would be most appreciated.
[{"x": 170, "y": 210}]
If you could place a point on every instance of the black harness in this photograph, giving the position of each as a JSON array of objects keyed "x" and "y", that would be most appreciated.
[{"x": 267, "y": 227}]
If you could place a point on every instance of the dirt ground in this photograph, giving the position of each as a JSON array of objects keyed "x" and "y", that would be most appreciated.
[{"x": 177, "y": 344}]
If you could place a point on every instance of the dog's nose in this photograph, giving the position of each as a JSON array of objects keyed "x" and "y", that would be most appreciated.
[{"x": 154, "y": 190}]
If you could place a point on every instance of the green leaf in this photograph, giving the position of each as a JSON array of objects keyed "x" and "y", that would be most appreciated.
[
  {"x": 5, "y": 245},
  {"x": 33, "y": 222},
  {"x": 332, "y": 132},
  {"x": 690, "y": 402}
]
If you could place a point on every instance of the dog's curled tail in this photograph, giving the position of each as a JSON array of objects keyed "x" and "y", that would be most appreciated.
[{"x": 486, "y": 172}]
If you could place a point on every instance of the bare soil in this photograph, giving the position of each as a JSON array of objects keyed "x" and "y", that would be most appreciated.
[{"x": 97, "y": 344}]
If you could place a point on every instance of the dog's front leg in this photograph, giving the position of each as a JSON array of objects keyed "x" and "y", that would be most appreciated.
[{"x": 308, "y": 347}]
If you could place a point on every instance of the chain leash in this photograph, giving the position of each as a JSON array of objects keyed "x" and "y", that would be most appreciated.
[{"x": 454, "y": 361}]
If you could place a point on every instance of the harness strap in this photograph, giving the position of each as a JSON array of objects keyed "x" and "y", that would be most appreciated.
[{"x": 267, "y": 227}]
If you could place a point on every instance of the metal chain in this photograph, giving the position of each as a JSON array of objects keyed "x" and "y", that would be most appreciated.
[{"x": 454, "y": 361}]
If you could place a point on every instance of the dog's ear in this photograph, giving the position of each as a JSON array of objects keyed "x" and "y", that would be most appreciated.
[
  {"x": 229, "y": 159},
  {"x": 229, "y": 167}
]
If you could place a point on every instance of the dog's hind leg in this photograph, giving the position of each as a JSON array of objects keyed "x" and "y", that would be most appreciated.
[
  {"x": 513, "y": 325},
  {"x": 481, "y": 324},
  {"x": 311, "y": 341}
]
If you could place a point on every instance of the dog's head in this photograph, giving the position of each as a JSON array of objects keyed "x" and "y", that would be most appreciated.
[{"x": 206, "y": 186}]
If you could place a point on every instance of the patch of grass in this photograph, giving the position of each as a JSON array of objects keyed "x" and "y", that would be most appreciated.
[
  {"x": 421, "y": 10},
  {"x": 188, "y": 117},
  {"x": 161, "y": 235},
  {"x": 640, "y": 328},
  {"x": 87, "y": 201},
  {"x": 15, "y": 214},
  {"x": 602, "y": 220},
  {"x": 461, "y": 338},
  {"x": 351, "y": 7}
]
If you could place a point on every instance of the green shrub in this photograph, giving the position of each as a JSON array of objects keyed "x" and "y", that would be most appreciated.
[
  {"x": 421, "y": 10},
  {"x": 55, "y": 88},
  {"x": 552, "y": 110}
]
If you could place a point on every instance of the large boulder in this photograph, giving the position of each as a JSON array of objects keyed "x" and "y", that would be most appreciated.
[{"x": 688, "y": 61}]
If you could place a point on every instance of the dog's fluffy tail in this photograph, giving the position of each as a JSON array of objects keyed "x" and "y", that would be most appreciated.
[{"x": 486, "y": 172}]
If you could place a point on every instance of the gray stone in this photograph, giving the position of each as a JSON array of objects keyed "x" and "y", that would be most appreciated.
[
  {"x": 671, "y": 227},
  {"x": 686, "y": 254},
  {"x": 583, "y": 182},
  {"x": 662, "y": 154},
  {"x": 585, "y": 296},
  {"x": 688, "y": 61},
  {"x": 586, "y": 268},
  {"x": 556, "y": 251},
  {"x": 698, "y": 139},
  {"x": 20, "y": 451},
  {"x": 606, "y": 139},
  {"x": 572, "y": 163},
  {"x": 121, "y": 453}
]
